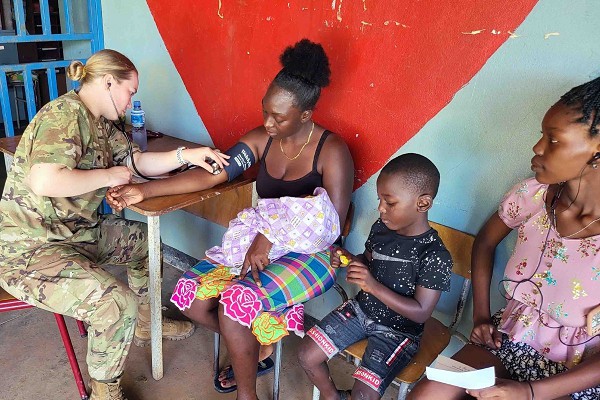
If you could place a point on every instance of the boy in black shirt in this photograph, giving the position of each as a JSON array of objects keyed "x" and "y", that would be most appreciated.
[{"x": 401, "y": 273}]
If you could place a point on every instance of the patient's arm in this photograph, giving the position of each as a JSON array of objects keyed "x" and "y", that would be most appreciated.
[{"x": 192, "y": 180}]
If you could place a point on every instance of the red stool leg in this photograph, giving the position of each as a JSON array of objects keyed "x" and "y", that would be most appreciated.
[
  {"x": 64, "y": 334},
  {"x": 82, "y": 329}
]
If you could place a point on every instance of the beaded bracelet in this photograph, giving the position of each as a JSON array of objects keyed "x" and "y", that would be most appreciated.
[
  {"x": 179, "y": 155},
  {"x": 531, "y": 388}
]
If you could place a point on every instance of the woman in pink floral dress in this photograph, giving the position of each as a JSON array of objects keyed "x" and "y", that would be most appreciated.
[{"x": 539, "y": 343}]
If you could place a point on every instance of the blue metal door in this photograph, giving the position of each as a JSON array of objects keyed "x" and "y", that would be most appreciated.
[{"x": 72, "y": 12}]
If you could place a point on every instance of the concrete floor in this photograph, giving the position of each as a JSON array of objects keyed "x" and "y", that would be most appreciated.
[{"x": 34, "y": 364}]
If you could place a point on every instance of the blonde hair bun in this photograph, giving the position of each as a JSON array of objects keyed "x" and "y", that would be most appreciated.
[
  {"x": 104, "y": 62},
  {"x": 76, "y": 70}
]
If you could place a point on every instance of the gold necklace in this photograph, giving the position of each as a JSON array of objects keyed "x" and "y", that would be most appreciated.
[
  {"x": 582, "y": 229},
  {"x": 303, "y": 146}
]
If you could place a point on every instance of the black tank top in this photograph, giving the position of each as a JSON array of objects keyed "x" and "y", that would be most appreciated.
[{"x": 268, "y": 187}]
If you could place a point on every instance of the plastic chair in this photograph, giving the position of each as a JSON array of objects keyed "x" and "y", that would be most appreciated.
[
  {"x": 10, "y": 303},
  {"x": 279, "y": 345},
  {"x": 436, "y": 335}
]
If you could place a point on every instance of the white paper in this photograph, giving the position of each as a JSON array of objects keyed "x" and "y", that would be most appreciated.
[
  {"x": 448, "y": 364},
  {"x": 457, "y": 376}
]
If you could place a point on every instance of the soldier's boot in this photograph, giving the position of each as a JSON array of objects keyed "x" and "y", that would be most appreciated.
[
  {"x": 171, "y": 329},
  {"x": 107, "y": 390}
]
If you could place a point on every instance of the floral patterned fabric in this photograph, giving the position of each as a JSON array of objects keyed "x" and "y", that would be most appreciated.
[
  {"x": 524, "y": 363},
  {"x": 300, "y": 224},
  {"x": 552, "y": 282},
  {"x": 270, "y": 311}
]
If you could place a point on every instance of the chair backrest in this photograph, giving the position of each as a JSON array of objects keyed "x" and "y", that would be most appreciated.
[
  {"x": 348, "y": 223},
  {"x": 460, "y": 246},
  {"x": 345, "y": 231}
]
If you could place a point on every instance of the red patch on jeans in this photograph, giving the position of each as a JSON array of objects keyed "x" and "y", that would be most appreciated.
[
  {"x": 322, "y": 341},
  {"x": 368, "y": 377},
  {"x": 400, "y": 348}
]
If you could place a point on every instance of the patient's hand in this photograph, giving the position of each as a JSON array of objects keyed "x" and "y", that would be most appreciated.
[
  {"x": 119, "y": 197},
  {"x": 257, "y": 257}
]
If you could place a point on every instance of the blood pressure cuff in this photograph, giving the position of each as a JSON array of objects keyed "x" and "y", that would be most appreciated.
[{"x": 241, "y": 159}]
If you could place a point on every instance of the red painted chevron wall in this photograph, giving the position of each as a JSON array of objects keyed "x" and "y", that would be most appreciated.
[{"x": 395, "y": 63}]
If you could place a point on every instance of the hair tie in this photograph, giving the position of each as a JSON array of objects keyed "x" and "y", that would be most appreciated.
[{"x": 83, "y": 73}]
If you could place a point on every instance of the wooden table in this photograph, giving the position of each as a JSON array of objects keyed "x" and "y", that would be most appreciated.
[
  {"x": 219, "y": 204},
  {"x": 8, "y": 146}
]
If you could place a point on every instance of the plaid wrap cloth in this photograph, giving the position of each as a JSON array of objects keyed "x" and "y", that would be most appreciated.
[
  {"x": 270, "y": 311},
  {"x": 293, "y": 224}
]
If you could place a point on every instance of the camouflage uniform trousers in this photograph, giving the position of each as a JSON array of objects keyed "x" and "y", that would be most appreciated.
[{"x": 66, "y": 278}]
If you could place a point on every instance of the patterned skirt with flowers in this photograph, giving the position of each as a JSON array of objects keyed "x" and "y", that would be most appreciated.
[{"x": 273, "y": 309}]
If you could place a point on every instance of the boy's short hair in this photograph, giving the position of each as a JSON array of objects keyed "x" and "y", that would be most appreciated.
[{"x": 417, "y": 171}]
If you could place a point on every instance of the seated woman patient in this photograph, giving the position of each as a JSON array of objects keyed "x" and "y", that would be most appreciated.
[
  {"x": 53, "y": 242},
  {"x": 296, "y": 156},
  {"x": 544, "y": 344}
]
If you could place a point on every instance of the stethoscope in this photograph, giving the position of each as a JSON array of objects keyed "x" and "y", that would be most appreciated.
[{"x": 121, "y": 128}]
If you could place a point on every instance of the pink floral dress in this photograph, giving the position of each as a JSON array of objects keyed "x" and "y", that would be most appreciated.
[{"x": 552, "y": 282}]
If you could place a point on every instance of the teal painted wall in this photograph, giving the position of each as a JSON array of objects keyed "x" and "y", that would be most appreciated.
[
  {"x": 481, "y": 141},
  {"x": 130, "y": 29}
]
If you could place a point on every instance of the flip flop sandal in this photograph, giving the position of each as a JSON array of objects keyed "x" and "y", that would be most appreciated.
[
  {"x": 264, "y": 367},
  {"x": 219, "y": 386},
  {"x": 228, "y": 370}
]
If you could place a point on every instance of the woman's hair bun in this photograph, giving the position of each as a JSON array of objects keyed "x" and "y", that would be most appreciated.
[
  {"x": 308, "y": 61},
  {"x": 76, "y": 70},
  {"x": 101, "y": 63}
]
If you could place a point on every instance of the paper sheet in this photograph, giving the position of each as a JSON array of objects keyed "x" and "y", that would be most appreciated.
[
  {"x": 448, "y": 364},
  {"x": 458, "y": 374}
]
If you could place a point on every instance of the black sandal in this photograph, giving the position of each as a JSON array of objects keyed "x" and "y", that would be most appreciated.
[{"x": 265, "y": 366}]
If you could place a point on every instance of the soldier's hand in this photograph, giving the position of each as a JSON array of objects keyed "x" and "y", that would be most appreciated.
[{"x": 119, "y": 175}]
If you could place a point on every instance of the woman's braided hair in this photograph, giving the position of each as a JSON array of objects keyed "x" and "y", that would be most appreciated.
[
  {"x": 305, "y": 71},
  {"x": 586, "y": 99}
]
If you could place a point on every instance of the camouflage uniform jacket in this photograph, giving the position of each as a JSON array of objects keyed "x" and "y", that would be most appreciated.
[{"x": 63, "y": 132}]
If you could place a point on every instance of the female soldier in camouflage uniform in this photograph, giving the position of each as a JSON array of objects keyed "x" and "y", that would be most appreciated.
[{"x": 52, "y": 240}]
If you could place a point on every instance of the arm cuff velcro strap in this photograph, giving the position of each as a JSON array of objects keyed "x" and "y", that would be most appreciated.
[{"x": 241, "y": 159}]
